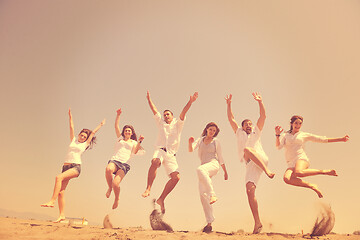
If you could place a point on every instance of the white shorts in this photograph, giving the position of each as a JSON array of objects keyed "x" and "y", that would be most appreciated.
[
  {"x": 292, "y": 163},
  {"x": 167, "y": 160},
  {"x": 253, "y": 171}
]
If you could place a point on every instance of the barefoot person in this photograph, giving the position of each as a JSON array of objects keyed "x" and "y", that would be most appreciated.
[
  {"x": 296, "y": 158},
  {"x": 209, "y": 151},
  {"x": 125, "y": 146},
  {"x": 72, "y": 165},
  {"x": 166, "y": 147},
  {"x": 250, "y": 150}
]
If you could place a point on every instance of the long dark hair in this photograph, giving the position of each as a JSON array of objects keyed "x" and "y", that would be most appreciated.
[
  {"x": 293, "y": 119},
  {"x": 93, "y": 140},
  {"x": 133, "y": 136},
  {"x": 211, "y": 124}
]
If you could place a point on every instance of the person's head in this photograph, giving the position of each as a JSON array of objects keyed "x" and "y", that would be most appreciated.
[
  {"x": 84, "y": 136},
  {"x": 247, "y": 126},
  {"x": 211, "y": 130},
  {"x": 295, "y": 123},
  {"x": 128, "y": 131},
  {"x": 168, "y": 116}
]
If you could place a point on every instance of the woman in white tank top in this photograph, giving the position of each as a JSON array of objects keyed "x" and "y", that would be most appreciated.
[
  {"x": 72, "y": 164},
  {"x": 125, "y": 146}
]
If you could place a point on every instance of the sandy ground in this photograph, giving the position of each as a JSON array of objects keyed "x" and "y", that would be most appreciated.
[{"x": 12, "y": 228}]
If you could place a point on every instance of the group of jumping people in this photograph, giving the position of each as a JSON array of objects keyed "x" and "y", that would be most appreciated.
[{"x": 209, "y": 150}]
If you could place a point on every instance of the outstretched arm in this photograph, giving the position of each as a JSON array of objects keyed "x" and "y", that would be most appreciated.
[
  {"x": 188, "y": 105},
  {"x": 342, "y": 139},
  {"x": 137, "y": 147},
  {"x": 151, "y": 104},
  {"x": 117, "y": 121},
  {"x": 261, "y": 120},
  {"x": 278, "y": 131},
  {"x": 230, "y": 114},
  {"x": 94, "y": 131},
  {"x": 72, "y": 135},
  {"x": 191, "y": 141}
]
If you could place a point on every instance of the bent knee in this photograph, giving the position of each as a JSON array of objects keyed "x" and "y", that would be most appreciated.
[
  {"x": 250, "y": 188},
  {"x": 286, "y": 179},
  {"x": 175, "y": 176}
]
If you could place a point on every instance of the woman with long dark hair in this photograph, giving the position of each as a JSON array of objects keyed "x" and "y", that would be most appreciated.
[
  {"x": 210, "y": 154},
  {"x": 125, "y": 146},
  {"x": 72, "y": 165},
  {"x": 298, "y": 163}
]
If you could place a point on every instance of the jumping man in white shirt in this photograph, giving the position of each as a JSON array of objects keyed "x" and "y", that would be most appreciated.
[
  {"x": 250, "y": 150},
  {"x": 166, "y": 147}
]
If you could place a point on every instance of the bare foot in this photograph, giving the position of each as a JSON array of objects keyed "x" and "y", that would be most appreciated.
[
  {"x": 162, "y": 205},
  {"x": 330, "y": 172},
  {"x": 213, "y": 199},
  {"x": 146, "y": 193},
  {"x": 48, "y": 204},
  {"x": 316, "y": 189},
  {"x": 116, "y": 203},
  {"x": 108, "y": 193},
  {"x": 60, "y": 219},
  {"x": 257, "y": 229}
]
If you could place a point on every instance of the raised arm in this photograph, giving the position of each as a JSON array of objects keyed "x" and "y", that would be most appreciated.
[
  {"x": 151, "y": 104},
  {"x": 230, "y": 114},
  {"x": 94, "y": 131},
  {"x": 278, "y": 131},
  {"x": 72, "y": 135},
  {"x": 188, "y": 105},
  {"x": 261, "y": 120},
  {"x": 191, "y": 141},
  {"x": 117, "y": 121},
  {"x": 342, "y": 139},
  {"x": 138, "y": 145}
]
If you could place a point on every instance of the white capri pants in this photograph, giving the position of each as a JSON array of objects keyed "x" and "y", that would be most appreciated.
[{"x": 205, "y": 172}]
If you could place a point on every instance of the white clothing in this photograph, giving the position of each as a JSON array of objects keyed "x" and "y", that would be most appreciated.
[
  {"x": 167, "y": 160},
  {"x": 74, "y": 151},
  {"x": 123, "y": 149},
  {"x": 210, "y": 157},
  {"x": 205, "y": 173},
  {"x": 295, "y": 144},
  {"x": 169, "y": 134},
  {"x": 252, "y": 140}
]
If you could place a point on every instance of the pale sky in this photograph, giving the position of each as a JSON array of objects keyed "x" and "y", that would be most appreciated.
[{"x": 97, "y": 56}]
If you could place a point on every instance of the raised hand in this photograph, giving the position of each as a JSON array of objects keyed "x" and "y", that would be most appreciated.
[
  {"x": 257, "y": 96},
  {"x": 103, "y": 122},
  {"x": 228, "y": 98},
  {"x": 191, "y": 140},
  {"x": 278, "y": 130},
  {"x": 141, "y": 138},
  {"x": 194, "y": 97},
  {"x": 148, "y": 95},
  {"x": 70, "y": 115},
  {"x": 118, "y": 112}
]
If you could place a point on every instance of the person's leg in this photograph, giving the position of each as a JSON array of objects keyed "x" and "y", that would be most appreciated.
[
  {"x": 205, "y": 200},
  {"x": 301, "y": 170},
  {"x": 61, "y": 201},
  {"x": 155, "y": 164},
  {"x": 291, "y": 179},
  {"x": 205, "y": 172},
  {"x": 250, "y": 190},
  {"x": 67, "y": 175},
  {"x": 251, "y": 154},
  {"x": 116, "y": 186},
  {"x": 174, "y": 179},
  {"x": 110, "y": 169}
]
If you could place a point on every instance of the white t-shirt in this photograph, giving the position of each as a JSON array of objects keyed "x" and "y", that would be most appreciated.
[
  {"x": 249, "y": 140},
  {"x": 74, "y": 151},
  {"x": 123, "y": 149},
  {"x": 169, "y": 134},
  {"x": 295, "y": 144}
]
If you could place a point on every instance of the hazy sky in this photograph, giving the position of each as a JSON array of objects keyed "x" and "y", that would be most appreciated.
[{"x": 97, "y": 56}]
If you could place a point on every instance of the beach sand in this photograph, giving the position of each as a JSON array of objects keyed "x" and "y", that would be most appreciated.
[{"x": 12, "y": 228}]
